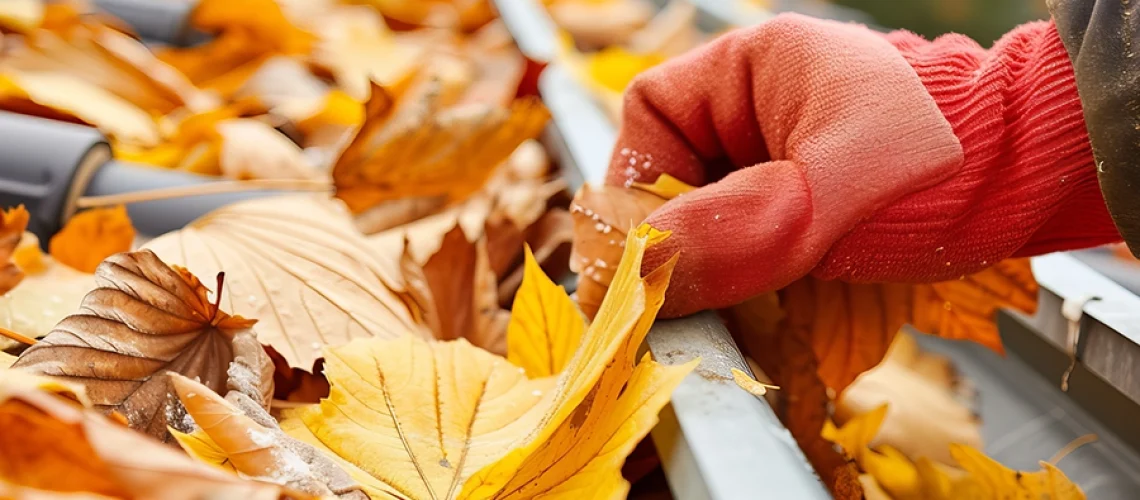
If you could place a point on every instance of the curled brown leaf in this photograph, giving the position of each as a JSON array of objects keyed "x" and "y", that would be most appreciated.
[{"x": 145, "y": 319}]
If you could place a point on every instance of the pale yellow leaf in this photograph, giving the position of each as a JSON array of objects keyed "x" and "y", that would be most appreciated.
[
  {"x": 21, "y": 15},
  {"x": 6, "y": 360},
  {"x": 753, "y": 386},
  {"x": 251, "y": 149},
  {"x": 298, "y": 264},
  {"x": 110, "y": 113},
  {"x": 546, "y": 327},
  {"x": 357, "y": 47}
]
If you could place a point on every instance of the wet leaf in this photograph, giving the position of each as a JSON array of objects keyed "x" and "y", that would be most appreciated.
[
  {"x": 298, "y": 265},
  {"x": 52, "y": 446},
  {"x": 601, "y": 216},
  {"x": 237, "y": 434},
  {"x": 91, "y": 236},
  {"x": 143, "y": 320},
  {"x": 487, "y": 431},
  {"x": 546, "y": 327}
]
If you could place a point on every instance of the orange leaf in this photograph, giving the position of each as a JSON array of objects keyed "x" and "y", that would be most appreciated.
[
  {"x": 850, "y": 326},
  {"x": 12, "y": 224},
  {"x": 92, "y": 236},
  {"x": 803, "y": 403}
]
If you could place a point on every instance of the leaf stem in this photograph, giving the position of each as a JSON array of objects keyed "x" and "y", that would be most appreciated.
[
  {"x": 4, "y": 332},
  {"x": 1072, "y": 446},
  {"x": 219, "y": 187}
]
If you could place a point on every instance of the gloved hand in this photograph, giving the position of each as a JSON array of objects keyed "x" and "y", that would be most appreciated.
[{"x": 835, "y": 151}]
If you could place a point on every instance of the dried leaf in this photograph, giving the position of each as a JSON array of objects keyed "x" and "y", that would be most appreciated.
[
  {"x": 78, "y": 99},
  {"x": 21, "y": 15},
  {"x": 298, "y": 264},
  {"x": 13, "y": 222},
  {"x": 250, "y": 149},
  {"x": 546, "y": 327},
  {"x": 487, "y": 431},
  {"x": 550, "y": 239},
  {"x": 754, "y": 387},
  {"x": 456, "y": 293},
  {"x": 989, "y": 479},
  {"x": 237, "y": 434},
  {"x": 912, "y": 399},
  {"x": 803, "y": 404},
  {"x": 49, "y": 292},
  {"x": 424, "y": 151},
  {"x": 91, "y": 236},
  {"x": 850, "y": 326},
  {"x": 51, "y": 446},
  {"x": 6, "y": 360},
  {"x": 602, "y": 215},
  {"x": 144, "y": 319}
]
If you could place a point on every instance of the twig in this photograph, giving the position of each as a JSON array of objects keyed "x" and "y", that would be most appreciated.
[
  {"x": 219, "y": 187},
  {"x": 4, "y": 332}
]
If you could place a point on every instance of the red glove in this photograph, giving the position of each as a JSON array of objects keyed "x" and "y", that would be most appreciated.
[{"x": 854, "y": 156}]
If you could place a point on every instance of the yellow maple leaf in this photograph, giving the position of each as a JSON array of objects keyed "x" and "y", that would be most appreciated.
[
  {"x": 485, "y": 430},
  {"x": 546, "y": 327},
  {"x": 91, "y": 236},
  {"x": 980, "y": 477}
]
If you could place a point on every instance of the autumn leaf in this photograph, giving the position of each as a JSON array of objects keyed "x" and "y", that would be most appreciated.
[
  {"x": 298, "y": 265},
  {"x": 53, "y": 287},
  {"x": 143, "y": 320},
  {"x": 21, "y": 15},
  {"x": 237, "y": 434},
  {"x": 546, "y": 327},
  {"x": 28, "y": 92},
  {"x": 251, "y": 149},
  {"x": 456, "y": 293},
  {"x": 607, "y": 72},
  {"x": 426, "y": 150},
  {"x": 52, "y": 446},
  {"x": 850, "y": 326},
  {"x": 601, "y": 216},
  {"x": 13, "y": 222},
  {"x": 6, "y": 360},
  {"x": 494, "y": 433},
  {"x": 912, "y": 396},
  {"x": 359, "y": 50},
  {"x": 975, "y": 477},
  {"x": 91, "y": 236}
]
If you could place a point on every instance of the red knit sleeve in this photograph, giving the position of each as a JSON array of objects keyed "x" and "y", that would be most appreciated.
[{"x": 1029, "y": 182}]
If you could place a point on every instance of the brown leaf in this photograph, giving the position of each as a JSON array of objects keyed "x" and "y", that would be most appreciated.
[
  {"x": 457, "y": 294},
  {"x": 549, "y": 238},
  {"x": 12, "y": 224},
  {"x": 52, "y": 448},
  {"x": 602, "y": 217},
  {"x": 298, "y": 265},
  {"x": 143, "y": 320},
  {"x": 803, "y": 400}
]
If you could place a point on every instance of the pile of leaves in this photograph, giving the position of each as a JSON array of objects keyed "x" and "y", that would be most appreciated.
[
  {"x": 153, "y": 363},
  {"x": 827, "y": 346}
]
